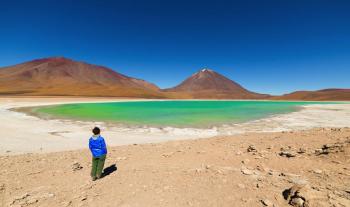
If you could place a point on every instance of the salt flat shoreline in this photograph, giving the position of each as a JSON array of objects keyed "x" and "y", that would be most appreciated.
[{"x": 23, "y": 133}]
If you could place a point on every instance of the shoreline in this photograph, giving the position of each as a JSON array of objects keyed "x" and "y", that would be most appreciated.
[{"x": 28, "y": 134}]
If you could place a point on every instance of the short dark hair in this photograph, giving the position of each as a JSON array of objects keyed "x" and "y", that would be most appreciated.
[{"x": 96, "y": 131}]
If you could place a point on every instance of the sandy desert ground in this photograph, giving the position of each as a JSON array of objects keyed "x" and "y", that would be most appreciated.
[
  {"x": 306, "y": 163},
  {"x": 252, "y": 169}
]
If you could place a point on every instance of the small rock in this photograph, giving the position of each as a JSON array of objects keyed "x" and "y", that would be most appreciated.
[
  {"x": 66, "y": 203},
  {"x": 287, "y": 154},
  {"x": 297, "y": 202},
  {"x": 198, "y": 170},
  {"x": 266, "y": 202},
  {"x": 31, "y": 201},
  {"x": 317, "y": 171},
  {"x": 251, "y": 148},
  {"x": 246, "y": 161},
  {"x": 76, "y": 166},
  {"x": 167, "y": 154},
  {"x": 22, "y": 197},
  {"x": 301, "y": 151},
  {"x": 247, "y": 172},
  {"x": 318, "y": 151}
]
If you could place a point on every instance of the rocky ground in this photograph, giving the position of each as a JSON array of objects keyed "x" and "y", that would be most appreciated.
[{"x": 304, "y": 168}]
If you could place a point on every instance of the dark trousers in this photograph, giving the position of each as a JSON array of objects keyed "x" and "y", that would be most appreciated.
[{"x": 97, "y": 166}]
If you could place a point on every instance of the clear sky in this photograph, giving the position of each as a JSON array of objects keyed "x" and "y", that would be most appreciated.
[{"x": 267, "y": 46}]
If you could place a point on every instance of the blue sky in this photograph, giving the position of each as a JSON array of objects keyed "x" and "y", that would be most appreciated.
[{"x": 267, "y": 46}]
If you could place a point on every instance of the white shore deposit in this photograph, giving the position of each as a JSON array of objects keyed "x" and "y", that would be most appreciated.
[{"x": 22, "y": 133}]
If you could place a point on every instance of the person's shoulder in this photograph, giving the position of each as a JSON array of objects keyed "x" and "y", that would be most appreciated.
[{"x": 101, "y": 137}]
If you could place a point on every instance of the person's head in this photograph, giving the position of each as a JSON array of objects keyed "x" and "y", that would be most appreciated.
[{"x": 96, "y": 131}]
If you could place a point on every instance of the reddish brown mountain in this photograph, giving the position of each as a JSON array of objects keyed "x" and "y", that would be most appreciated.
[
  {"x": 321, "y": 95},
  {"x": 65, "y": 77},
  {"x": 210, "y": 84},
  {"x": 62, "y": 76}
]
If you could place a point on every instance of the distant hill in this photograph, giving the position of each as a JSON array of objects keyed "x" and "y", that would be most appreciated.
[
  {"x": 210, "y": 84},
  {"x": 59, "y": 76},
  {"x": 62, "y": 76},
  {"x": 320, "y": 95}
]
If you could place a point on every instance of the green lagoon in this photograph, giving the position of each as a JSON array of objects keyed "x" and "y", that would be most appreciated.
[{"x": 198, "y": 114}]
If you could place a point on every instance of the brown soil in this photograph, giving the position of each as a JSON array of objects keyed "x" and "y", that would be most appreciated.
[{"x": 244, "y": 170}]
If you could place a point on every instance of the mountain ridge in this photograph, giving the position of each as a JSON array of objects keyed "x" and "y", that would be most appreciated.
[
  {"x": 63, "y": 76},
  {"x": 60, "y": 76},
  {"x": 207, "y": 83}
]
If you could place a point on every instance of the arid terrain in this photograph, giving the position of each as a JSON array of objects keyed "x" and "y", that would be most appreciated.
[
  {"x": 320, "y": 95},
  {"x": 59, "y": 76},
  {"x": 254, "y": 169}
]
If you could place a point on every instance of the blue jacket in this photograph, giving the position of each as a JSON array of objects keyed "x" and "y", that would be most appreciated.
[{"x": 97, "y": 146}]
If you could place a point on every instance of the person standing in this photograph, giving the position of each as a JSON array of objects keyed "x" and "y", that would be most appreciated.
[{"x": 98, "y": 148}]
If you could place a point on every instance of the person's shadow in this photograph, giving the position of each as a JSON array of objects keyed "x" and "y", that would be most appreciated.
[{"x": 108, "y": 170}]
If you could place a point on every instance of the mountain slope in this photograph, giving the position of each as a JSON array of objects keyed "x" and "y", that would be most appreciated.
[
  {"x": 65, "y": 77},
  {"x": 320, "y": 95},
  {"x": 210, "y": 84},
  {"x": 62, "y": 76}
]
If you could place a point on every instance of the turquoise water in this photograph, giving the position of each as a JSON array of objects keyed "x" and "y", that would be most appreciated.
[{"x": 198, "y": 114}]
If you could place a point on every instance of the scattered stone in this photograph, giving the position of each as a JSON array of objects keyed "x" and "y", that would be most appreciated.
[
  {"x": 317, "y": 171},
  {"x": 318, "y": 151},
  {"x": 252, "y": 148},
  {"x": 66, "y": 203},
  {"x": 302, "y": 196},
  {"x": 22, "y": 197},
  {"x": 273, "y": 173},
  {"x": 247, "y": 172},
  {"x": 298, "y": 181},
  {"x": 167, "y": 154},
  {"x": 31, "y": 201},
  {"x": 76, "y": 166},
  {"x": 199, "y": 170},
  {"x": 301, "y": 151},
  {"x": 246, "y": 161},
  {"x": 266, "y": 202},
  {"x": 289, "y": 174},
  {"x": 47, "y": 195},
  {"x": 287, "y": 154},
  {"x": 331, "y": 148},
  {"x": 298, "y": 202},
  {"x": 201, "y": 152}
]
